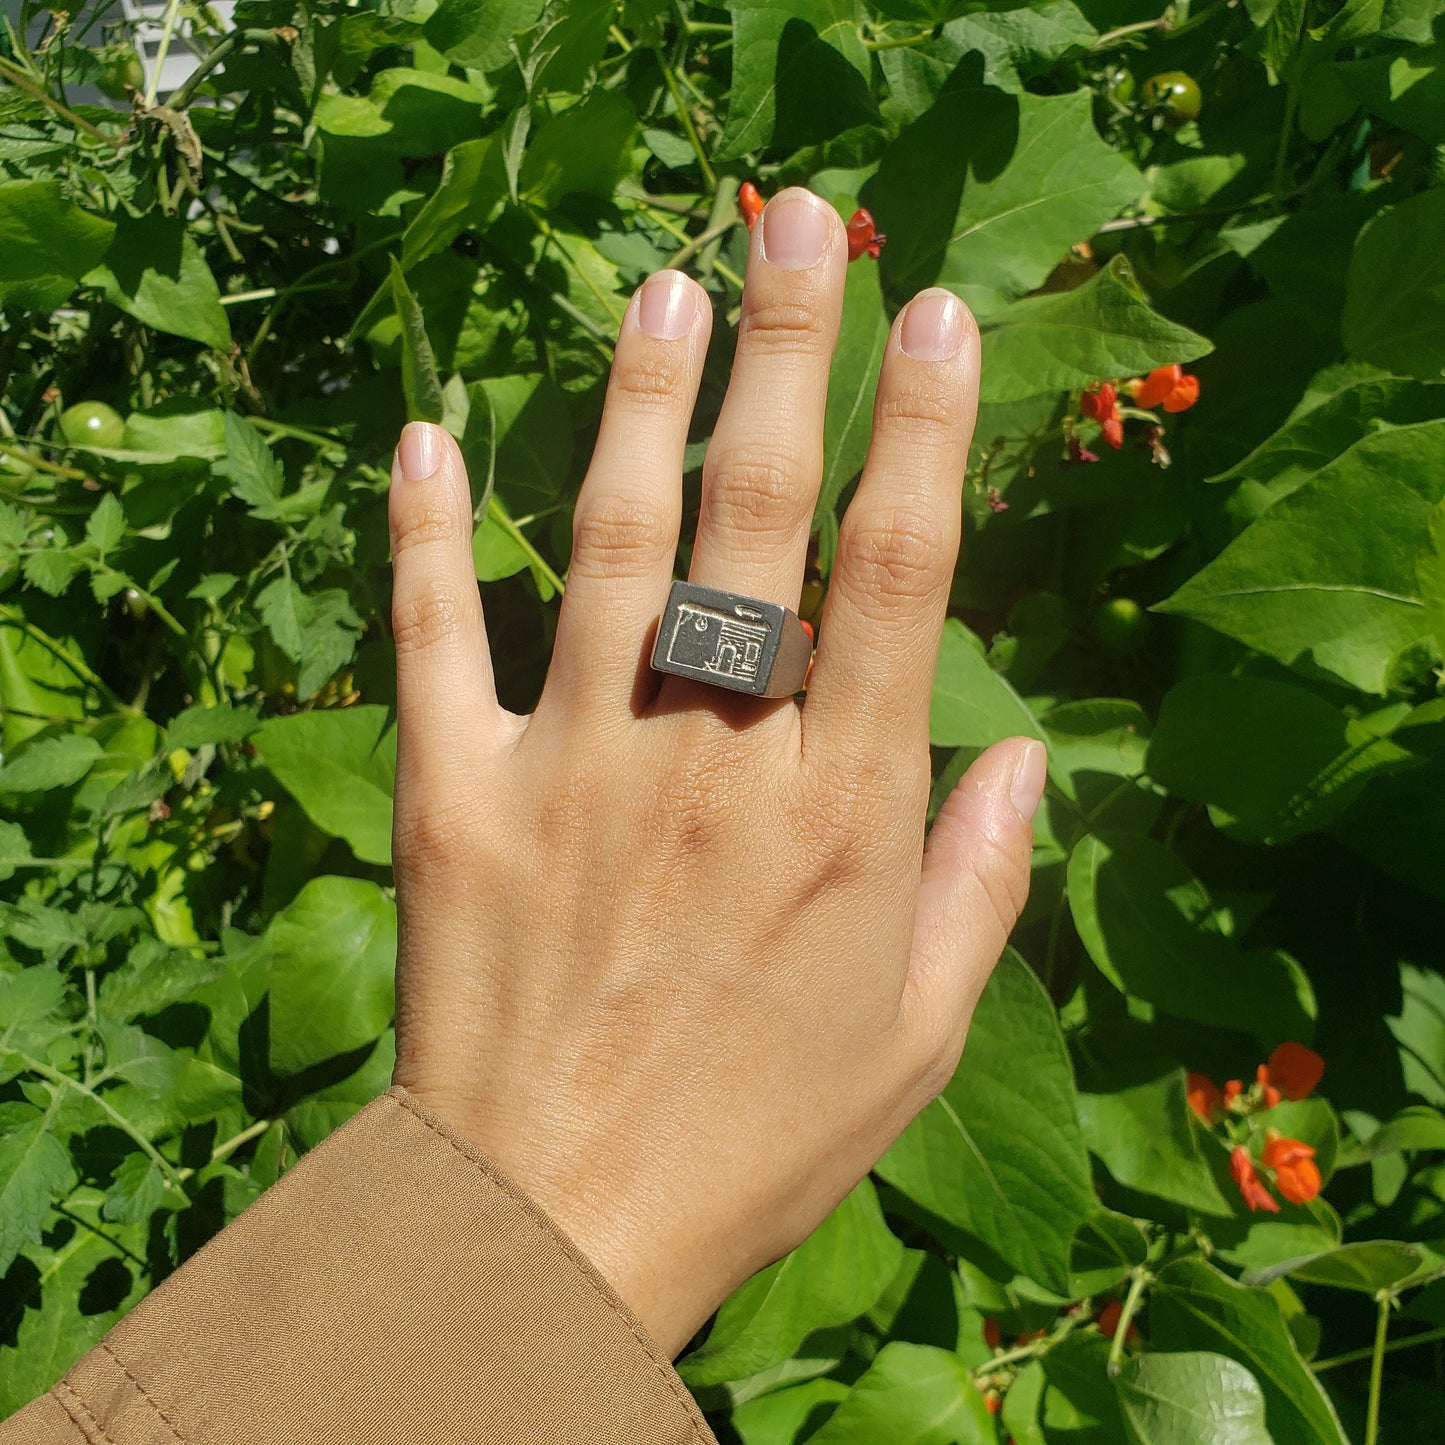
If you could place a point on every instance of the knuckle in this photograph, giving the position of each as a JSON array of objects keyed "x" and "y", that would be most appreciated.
[
  {"x": 422, "y": 522},
  {"x": 895, "y": 556},
  {"x": 618, "y": 536},
  {"x": 434, "y": 836},
  {"x": 755, "y": 492},
  {"x": 1001, "y": 877},
  {"x": 785, "y": 325},
  {"x": 648, "y": 383},
  {"x": 421, "y": 617},
  {"x": 928, "y": 415}
]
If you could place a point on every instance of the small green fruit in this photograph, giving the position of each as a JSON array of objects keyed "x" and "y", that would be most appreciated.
[
  {"x": 121, "y": 73},
  {"x": 1120, "y": 627},
  {"x": 1175, "y": 94},
  {"x": 92, "y": 424}
]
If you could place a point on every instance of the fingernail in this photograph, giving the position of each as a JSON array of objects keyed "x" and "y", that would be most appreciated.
[
  {"x": 666, "y": 307},
  {"x": 417, "y": 453},
  {"x": 1026, "y": 791},
  {"x": 932, "y": 327},
  {"x": 795, "y": 229}
]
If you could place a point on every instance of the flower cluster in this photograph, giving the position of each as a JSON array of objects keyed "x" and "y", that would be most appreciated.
[
  {"x": 864, "y": 238},
  {"x": 1292, "y": 1072},
  {"x": 1171, "y": 387}
]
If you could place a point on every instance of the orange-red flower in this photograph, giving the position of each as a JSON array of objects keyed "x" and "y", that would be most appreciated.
[
  {"x": 1204, "y": 1097},
  {"x": 1254, "y": 1194},
  {"x": 1268, "y": 1090},
  {"x": 1099, "y": 402},
  {"x": 1296, "y": 1070},
  {"x": 863, "y": 236},
  {"x": 1296, "y": 1175},
  {"x": 750, "y": 202},
  {"x": 991, "y": 1335},
  {"x": 1233, "y": 1088},
  {"x": 1169, "y": 386}
]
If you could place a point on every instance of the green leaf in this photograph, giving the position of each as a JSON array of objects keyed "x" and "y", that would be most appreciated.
[
  {"x": 1395, "y": 300},
  {"x": 1066, "y": 340},
  {"x": 519, "y": 437},
  {"x": 34, "y": 1172},
  {"x": 1325, "y": 579},
  {"x": 972, "y": 704},
  {"x": 911, "y": 1395},
  {"x": 779, "y": 1418},
  {"x": 1191, "y": 1398},
  {"x": 1151, "y": 929},
  {"x": 1271, "y": 760},
  {"x": 170, "y": 1089},
  {"x": 848, "y": 418},
  {"x": 47, "y": 244},
  {"x": 368, "y": 144},
  {"x": 90, "y": 1278},
  {"x": 255, "y": 474},
  {"x": 1195, "y": 1307},
  {"x": 800, "y": 74},
  {"x": 1367, "y": 1267},
  {"x": 1106, "y": 1247},
  {"x": 48, "y": 763},
  {"x": 202, "y": 726},
  {"x": 333, "y": 952},
  {"x": 322, "y": 1113},
  {"x": 567, "y": 42},
  {"x": 986, "y": 192},
  {"x": 154, "y": 976},
  {"x": 105, "y": 526},
  {"x": 580, "y": 152},
  {"x": 137, "y": 1191},
  {"x": 1413, "y": 1128},
  {"x": 481, "y": 34},
  {"x": 1143, "y": 1134},
  {"x": 420, "y": 383},
  {"x": 14, "y": 850},
  {"x": 833, "y": 1277},
  {"x": 1016, "y": 46},
  {"x": 339, "y": 764},
  {"x": 1000, "y": 1154},
  {"x": 318, "y": 631},
  {"x": 1430, "y": 577},
  {"x": 496, "y": 552},
  {"x": 155, "y": 272}
]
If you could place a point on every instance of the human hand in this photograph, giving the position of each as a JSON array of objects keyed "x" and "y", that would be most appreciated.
[{"x": 677, "y": 959}]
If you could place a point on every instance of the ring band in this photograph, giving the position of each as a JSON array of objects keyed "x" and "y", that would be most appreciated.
[{"x": 740, "y": 643}]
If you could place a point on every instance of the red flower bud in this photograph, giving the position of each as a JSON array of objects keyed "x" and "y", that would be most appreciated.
[
  {"x": 750, "y": 202},
  {"x": 1113, "y": 431},
  {"x": 1271, "y": 1094},
  {"x": 990, "y": 1332},
  {"x": 863, "y": 237},
  {"x": 1254, "y": 1194},
  {"x": 1099, "y": 402},
  {"x": 1204, "y": 1098}
]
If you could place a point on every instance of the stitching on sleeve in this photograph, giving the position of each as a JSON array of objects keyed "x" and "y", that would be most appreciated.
[
  {"x": 146, "y": 1394},
  {"x": 587, "y": 1272},
  {"x": 76, "y": 1408}
]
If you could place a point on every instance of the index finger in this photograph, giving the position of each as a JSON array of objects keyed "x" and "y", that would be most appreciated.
[{"x": 897, "y": 545}]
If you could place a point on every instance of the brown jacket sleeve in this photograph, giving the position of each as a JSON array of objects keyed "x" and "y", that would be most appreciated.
[{"x": 393, "y": 1287}]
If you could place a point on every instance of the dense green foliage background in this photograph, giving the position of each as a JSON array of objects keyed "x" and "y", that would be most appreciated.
[{"x": 356, "y": 211}]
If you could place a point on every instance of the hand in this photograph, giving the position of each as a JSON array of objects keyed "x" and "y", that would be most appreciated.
[{"x": 677, "y": 959}]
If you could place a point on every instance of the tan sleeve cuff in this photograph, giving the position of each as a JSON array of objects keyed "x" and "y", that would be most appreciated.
[{"x": 394, "y": 1287}]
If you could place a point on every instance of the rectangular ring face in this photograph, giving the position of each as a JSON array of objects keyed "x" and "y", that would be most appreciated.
[{"x": 719, "y": 637}]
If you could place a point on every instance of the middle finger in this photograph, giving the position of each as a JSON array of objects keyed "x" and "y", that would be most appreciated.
[{"x": 765, "y": 461}]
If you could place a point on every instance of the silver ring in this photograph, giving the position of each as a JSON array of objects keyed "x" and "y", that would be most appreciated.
[{"x": 740, "y": 643}]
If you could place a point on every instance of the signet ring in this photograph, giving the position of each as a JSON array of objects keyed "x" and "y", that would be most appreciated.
[{"x": 740, "y": 643}]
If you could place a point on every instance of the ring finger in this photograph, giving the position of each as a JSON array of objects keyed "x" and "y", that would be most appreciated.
[{"x": 765, "y": 460}]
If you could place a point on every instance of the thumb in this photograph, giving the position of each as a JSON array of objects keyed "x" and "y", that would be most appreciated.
[{"x": 975, "y": 882}]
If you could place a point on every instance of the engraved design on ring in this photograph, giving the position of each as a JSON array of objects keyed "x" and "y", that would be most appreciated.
[{"x": 740, "y": 643}]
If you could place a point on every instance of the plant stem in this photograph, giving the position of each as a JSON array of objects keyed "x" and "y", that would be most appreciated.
[
  {"x": 21, "y": 81},
  {"x": 168, "y": 25},
  {"x": 1112, "y": 37},
  {"x": 54, "y": 1076},
  {"x": 1353, "y": 1357},
  {"x": 685, "y": 117},
  {"x": 182, "y": 94},
  {"x": 498, "y": 513},
  {"x": 77, "y": 665},
  {"x": 1140, "y": 1281},
  {"x": 1291, "y": 108},
  {"x": 684, "y": 254},
  {"x": 1377, "y": 1369},
  {"x": 900, "y": 42},
  {"x": 228, "y": 1147}
]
